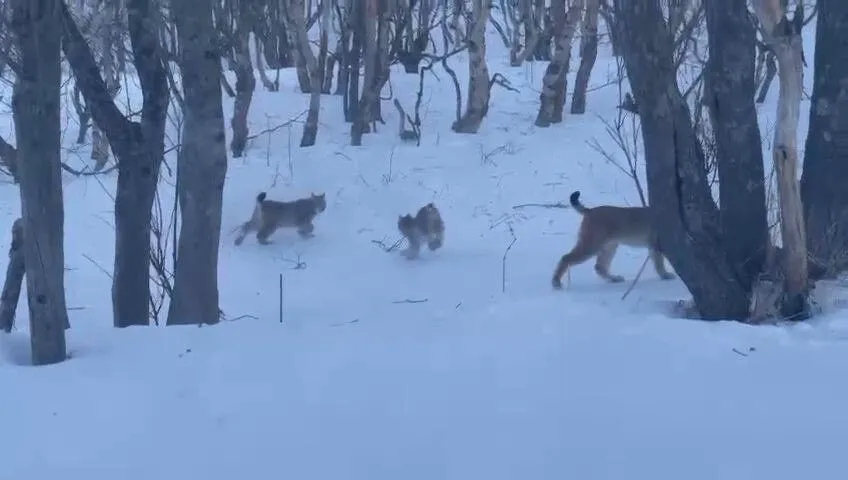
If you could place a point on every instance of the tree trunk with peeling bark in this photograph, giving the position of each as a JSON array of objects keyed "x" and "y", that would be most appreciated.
[
  {"x": 784, "y": 38},
  {"x": 36, "y": 104},
  {"x": 588, "y": 55},
  {"x": 201, "y": 169},
  {"x": 729, "y": 94},
  {"x": 552, "y": 97},
  {"x": 685, "y": 217},
  {"x": 479, "y": 91},
  {"x": 823, "y": 188}
]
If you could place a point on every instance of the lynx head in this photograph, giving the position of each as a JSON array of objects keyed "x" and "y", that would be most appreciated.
[{"x": 319, "y": 201}]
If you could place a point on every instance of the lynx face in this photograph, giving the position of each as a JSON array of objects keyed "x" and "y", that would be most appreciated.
[
  {"x": 427, "y": 225},
  {"x": 602, "y": 229},
  {"x": 269, "y": 215}
]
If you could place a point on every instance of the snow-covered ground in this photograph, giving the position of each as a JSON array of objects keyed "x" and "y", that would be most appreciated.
[{"x": 443, "y": 368}]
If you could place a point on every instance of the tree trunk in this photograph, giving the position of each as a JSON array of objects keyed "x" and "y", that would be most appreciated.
[
  {"x": 201, "y": 169},
  {"x": 553, "y": 83},
  {"x": 784, "y": 38},
  {"x": 106, "y": 36},
  {"x": 354, "y": 60},
  {"x": 478, "y": 71},
  {"x": 36, "y": 103},
  {"x": 588, "y": 55},
  {"x": 245, "y": 80},
  {"x": 823, "y": 188},
  {"x": 138, "y": 148},
  {"x": 685, "y": 216},
  {"x": 296, "y": 23},
  {"x": 731, "y": 86},
  {"x": 15, "y": 271},
  {"x": 367, "y": 28}
]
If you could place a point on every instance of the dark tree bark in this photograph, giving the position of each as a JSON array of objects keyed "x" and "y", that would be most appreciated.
[
  {"x": 201, "y": 168},
  {"x": 138, "y": 147},
  {"x": 245, "y": 80},
  {"x": 552, "y": 97},
  {"x": 9, "y": 158},
  {"x": 354, "y": 60},
  {"x": 731, "y": 87},
  {"x": 36, "y": 104},
  {"x": 15, "y": 271},
  {"x": 588, "y": 55},
  {"x": 686, "y": 218},
  {"x": 823, "y": 181}
]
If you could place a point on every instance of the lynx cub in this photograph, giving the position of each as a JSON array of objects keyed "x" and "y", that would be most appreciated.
[
  {"x": 426, "y": 224},
  {"x": 602, "y": 229},
  {"x": 269, "y": 215}
]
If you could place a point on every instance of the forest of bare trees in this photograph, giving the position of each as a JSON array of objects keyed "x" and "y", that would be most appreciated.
[{"x": 691, "y": 74}]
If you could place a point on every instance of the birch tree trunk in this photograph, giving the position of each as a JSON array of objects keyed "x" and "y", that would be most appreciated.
[
  {"x": 588, "y": 55},
  {"x": 784, "y": 38},
  {"x": 478, "y": 71},
  {"x": 553, "y": 83},
  {"x": 368, "y": 12},
  {"x": 823, "y": 188},
  {"x": 36, "y": 105},
  {"x": 201, "y": 169}
]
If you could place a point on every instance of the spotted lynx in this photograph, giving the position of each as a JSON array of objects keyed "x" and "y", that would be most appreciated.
[{"x": 269, "y": 215}]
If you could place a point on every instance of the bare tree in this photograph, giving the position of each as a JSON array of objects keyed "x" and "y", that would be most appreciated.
[
  {"x": 296, "y": 23},
  {"x": 784, "y": 39},
  {"x": 688, "y": 222},
  {"x": 552, "y": 98},
  {"x": 245, "y": 80},
  {"x": 479, "y": 88},
  {"x": 823, "y": 187},
  {"x": 588, "y": 55},
  {"x": 138, "y": 146},
  {"x": 202, "y": 168},
  {"x": 730, "y": 91},
  {"x": 36, "y": 105}
]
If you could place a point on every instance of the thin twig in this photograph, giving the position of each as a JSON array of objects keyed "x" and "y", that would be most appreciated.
[
  {"x": 633, "y": 283},
  {"x": 542, "y": 205}
]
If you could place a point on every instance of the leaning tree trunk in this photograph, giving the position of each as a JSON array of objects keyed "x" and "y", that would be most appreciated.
[
  {"x": 784, "y": 38},
  {"x": 296, "y": 23},
  {"x": 245, "y": 80},
  {"x": 685, "y": 215},
  {"x": 15, "y": 271},
  {"x": 478, "y": 71},
  {"x": 201, "y": 169},
  {"x": 106, "y": 35},
  {"x": 823, "y": 188},
  {"x": 138, "y": 147},
  {"x": 36, "y": 105},
  {"x": 730, "y": 89},
  {"x": 588, "y": 55},
  {"x": 553, "y": 83}
]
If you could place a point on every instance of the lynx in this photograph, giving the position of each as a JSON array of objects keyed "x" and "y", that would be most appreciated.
[
  {"x": 269, "y": 215},
  {"x": 602, "y": 229},
  {"x": 426, "y": 224}
]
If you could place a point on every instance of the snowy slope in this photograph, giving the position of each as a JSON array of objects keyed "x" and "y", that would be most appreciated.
[{"x": 437, "y": 369}]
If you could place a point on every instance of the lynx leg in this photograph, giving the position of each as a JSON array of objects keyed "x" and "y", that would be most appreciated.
[
  {"x": 659, "y": 265},
  {"x": 305, "y": 230},
  {"x": 579, "y": 254},
  {"x": 264, "y": 232},
  {"x": 603, "y": 262}
]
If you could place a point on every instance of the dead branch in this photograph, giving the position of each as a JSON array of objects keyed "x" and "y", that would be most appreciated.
[{"x": 541, "y": 205}]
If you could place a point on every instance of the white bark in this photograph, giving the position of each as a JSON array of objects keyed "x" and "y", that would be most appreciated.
[{"x": 787, "y": 46}]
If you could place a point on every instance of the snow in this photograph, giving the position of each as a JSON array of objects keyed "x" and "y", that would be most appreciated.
[{"x": 384, "y": 368}]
